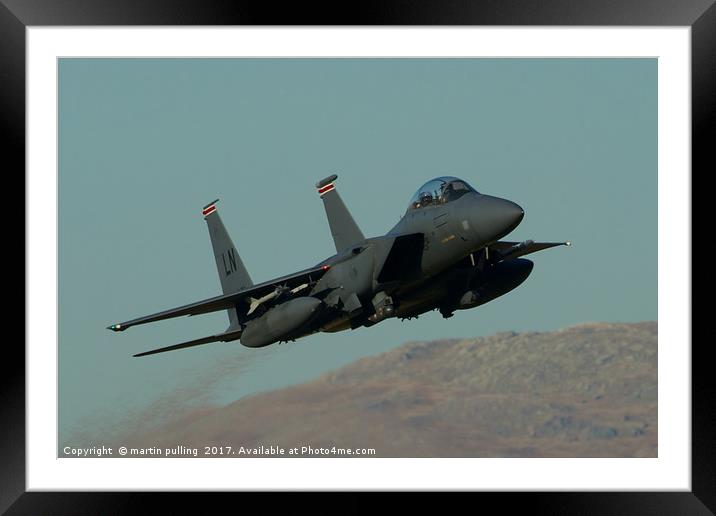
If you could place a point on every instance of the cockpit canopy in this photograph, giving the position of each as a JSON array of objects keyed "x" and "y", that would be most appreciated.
[{"x": 440, "y": 190}]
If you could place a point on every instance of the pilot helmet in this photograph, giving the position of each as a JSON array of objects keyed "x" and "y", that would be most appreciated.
[{"x": 426, "y": 198}]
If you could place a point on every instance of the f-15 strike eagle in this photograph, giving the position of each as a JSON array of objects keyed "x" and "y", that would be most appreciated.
[{"x": 445, "y": 253}]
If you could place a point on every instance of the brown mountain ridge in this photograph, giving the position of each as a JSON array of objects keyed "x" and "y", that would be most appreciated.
[{"x": 585, "y": 391}]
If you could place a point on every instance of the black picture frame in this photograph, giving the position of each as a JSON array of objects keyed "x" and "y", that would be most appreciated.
[{"x": 700, "y": 15}]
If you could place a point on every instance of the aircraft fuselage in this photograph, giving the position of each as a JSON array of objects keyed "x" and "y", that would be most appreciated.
[
  {"x": 443, "y": 254},
  {"x": 452, "y": 233}
]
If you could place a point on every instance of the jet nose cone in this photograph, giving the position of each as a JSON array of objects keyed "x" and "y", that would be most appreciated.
[
  {"x": 495, "y": 217},
  {"x": 513, "y": 213}
]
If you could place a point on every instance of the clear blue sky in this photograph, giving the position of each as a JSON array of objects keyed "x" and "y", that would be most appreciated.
[{"x": 145, "y": 143}]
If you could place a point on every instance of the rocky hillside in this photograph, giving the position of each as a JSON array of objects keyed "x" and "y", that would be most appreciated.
[{"x": 584, "y": 391}]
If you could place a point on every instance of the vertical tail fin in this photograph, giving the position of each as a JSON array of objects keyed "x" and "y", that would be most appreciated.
[
  {"x": 232, "y": 273},
  {"x": 344, "y": 229}
]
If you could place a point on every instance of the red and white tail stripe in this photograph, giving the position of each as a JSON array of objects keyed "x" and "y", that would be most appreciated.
[
  {"x": 209, "y": 209},
  {"x": 325, "y": 189}
]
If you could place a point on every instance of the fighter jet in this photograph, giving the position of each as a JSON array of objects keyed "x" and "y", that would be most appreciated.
[{"x": 444, "y": 254}]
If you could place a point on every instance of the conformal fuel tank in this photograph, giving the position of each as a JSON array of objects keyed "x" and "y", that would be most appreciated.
[{"x": 279, "y": 321}]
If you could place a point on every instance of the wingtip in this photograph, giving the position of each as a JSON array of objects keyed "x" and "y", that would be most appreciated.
[{"x": 116, "y": 327}]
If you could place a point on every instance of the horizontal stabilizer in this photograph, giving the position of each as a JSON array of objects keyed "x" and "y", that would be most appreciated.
[
  {"x": 512, "y": 250},
  {"x": 222, "y": 337}
]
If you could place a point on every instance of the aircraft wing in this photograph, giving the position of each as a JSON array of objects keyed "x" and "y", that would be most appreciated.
[
  {"x": 512, "y": 250},
  {"x": 224, "y": 337},
  {"x": 225, "y": 301}
]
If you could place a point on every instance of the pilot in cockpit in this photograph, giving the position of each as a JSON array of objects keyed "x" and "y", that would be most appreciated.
[
  {"x": 439, "y": 191},
  {"x": 448, "y": 192},
  {"x": 425, "y": 199}
]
